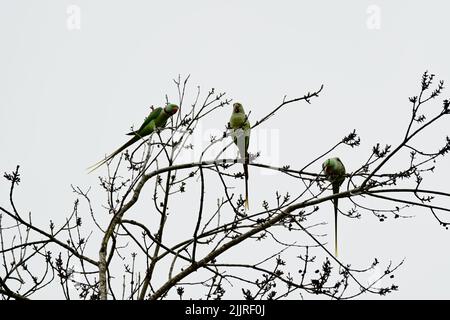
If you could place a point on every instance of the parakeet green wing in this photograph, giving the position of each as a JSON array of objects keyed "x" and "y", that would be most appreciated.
[{"x": 152, "y": 116}]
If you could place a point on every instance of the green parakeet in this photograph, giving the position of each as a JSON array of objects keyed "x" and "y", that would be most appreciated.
[
  {"x": 240, "y": 132},
  {"x": 156, "y": 119},
  {"x": 335, "y": 172}
]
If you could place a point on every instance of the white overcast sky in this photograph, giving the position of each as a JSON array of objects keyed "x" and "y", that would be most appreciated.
[{"x": 68, "y": 95}]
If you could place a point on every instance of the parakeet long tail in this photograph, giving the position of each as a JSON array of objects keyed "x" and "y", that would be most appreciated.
[
  {"x": 112, "y": 155},
  {"x": 335, "y": 202},
  {"x": 246, "y": 185}
]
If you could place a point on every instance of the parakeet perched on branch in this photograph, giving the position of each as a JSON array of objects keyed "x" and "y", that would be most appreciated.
[
  {"x": 240, "y": 132},
  {"x": 156, "y": 119},
  {"x": 335, "y": 172}
]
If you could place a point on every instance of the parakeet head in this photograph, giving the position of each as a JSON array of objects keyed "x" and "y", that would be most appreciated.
[
  {"x": 326, "y": 165},
  {"x": 333, "y": 166},
  {"x": 238, "y": 108},
  {"x": 171, "y": 109}
]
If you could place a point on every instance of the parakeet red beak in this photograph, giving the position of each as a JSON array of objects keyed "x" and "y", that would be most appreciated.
[{"x": 175, "y": 110}]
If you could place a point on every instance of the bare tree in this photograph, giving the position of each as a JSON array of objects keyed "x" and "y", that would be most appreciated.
[{"x": 136, "y": 252}]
